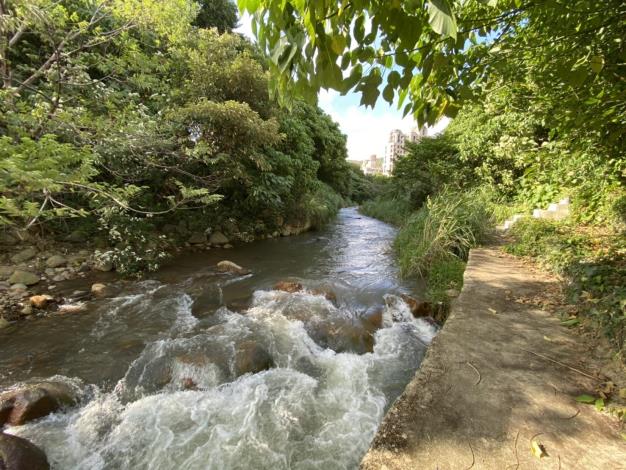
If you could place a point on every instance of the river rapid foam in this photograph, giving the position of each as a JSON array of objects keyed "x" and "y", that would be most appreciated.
[{"x": 183, "y": 402}]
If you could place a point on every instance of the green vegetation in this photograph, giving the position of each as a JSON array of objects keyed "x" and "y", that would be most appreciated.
[
  {"x": 592, "y": 261},
  {"x": 446, "y": 227},
  {"x": 138, "y": 123},
  {"x": 390, "y": 210}
]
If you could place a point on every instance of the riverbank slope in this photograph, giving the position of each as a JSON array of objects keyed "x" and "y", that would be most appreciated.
[{"x": 501, "y": 376}]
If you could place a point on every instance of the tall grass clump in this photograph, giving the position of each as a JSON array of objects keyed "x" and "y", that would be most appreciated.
[
  {"x": 444, "y": 230},
  {"x": 322, "y": 206},
  {"x": 392, "y": 211}
]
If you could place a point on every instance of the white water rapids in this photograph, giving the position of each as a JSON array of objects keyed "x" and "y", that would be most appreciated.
[{"x": 316, "y": 409}]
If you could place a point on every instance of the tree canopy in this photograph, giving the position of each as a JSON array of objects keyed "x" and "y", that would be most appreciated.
[{"x": 433, "y": 56}]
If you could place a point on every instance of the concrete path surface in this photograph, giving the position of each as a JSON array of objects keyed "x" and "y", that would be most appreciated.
[{"x": 497, "y": 377}]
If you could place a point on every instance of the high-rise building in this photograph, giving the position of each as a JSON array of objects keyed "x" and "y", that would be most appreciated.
[
  {"x": 372, "y": 166},
  {"x": 396, "y": 149}
]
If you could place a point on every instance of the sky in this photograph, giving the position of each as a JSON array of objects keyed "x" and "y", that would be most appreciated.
[{"x": 367, "y": 129}]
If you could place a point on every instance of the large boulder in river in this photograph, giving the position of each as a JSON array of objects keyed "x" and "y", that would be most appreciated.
[
  {"x": 24, "y": 277},
  {"x": 418, "y": 309},
  {"x": 288, "y": 286},
  {"x": 34, "y": 401},
  {"x": 19, "y": 454},
  {"x": 230, "y": 267},
  {"x": 218, "y": 238}
]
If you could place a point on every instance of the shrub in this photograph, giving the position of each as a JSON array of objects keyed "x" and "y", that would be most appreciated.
[{"x": 322, "y": 206}]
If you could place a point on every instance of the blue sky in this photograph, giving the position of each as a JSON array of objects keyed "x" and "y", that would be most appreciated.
[{"x": 367, "y": 129}]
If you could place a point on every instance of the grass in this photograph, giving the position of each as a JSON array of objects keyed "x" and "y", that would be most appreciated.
[
  {"x": 445, "y": 228},
  {"x": 392, "y": 211},
  {"x": 434, "y": 241},
  {"x": 592, "y": 262},
  {"x": 443, "y": 276}
]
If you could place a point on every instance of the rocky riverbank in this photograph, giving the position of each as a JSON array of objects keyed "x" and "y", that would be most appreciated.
[{"x": 32, "y": 268}]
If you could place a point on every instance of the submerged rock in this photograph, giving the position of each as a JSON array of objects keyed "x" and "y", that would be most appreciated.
[
  {"x": 17, "y": 453},
  {"x": 327, "y": 293},
  {"x": 34, "y": 401},
  {"x": 70, "y": 308},
  {"x": 230, "y": 267},
  {"x": 373, "y": 319},
  {"x": 251, "y": 358},
  {"x": 288, "y": 286},
  {"x": 24, "y": 277},
  {"x": 418, "y": 309}
]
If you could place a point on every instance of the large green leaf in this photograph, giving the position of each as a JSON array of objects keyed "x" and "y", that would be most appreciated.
[{"x": 441, "y": 18}]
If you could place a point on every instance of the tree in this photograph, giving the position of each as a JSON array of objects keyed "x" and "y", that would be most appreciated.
[{"x": 220, "y": 14}]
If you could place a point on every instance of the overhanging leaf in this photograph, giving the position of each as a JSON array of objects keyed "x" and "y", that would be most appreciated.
[
  {"x": 597, "y": 63},
  {"x": 441, "y": 18}
]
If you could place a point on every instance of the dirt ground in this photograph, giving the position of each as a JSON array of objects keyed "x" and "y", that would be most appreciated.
[{"x": 498, "y": 387}]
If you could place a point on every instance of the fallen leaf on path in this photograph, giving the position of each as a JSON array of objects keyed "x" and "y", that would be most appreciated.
[
  {"x": 537, "y": 449},
  {"x": 599, "y": 404},
  {"x": 584, "y": 398}
]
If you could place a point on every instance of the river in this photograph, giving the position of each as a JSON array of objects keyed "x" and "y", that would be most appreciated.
[{"x": 195, "y": 369}]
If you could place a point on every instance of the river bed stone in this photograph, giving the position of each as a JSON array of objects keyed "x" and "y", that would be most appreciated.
[
  {"x": 17, "y": 453},
  {"x": 24, "y": 255},
  {"x": 24, "y": 277},
  {"x": 34, "y": 401}
]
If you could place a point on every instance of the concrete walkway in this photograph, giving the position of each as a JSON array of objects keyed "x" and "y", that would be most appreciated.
[{"x": 484, "y": 391}]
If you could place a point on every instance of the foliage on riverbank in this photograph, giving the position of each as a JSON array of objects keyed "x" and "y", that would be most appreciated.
[
  {"x": 434, "y": 240},
  {"x": 592, "y": 262},
  {"x": 121, "y": 119}
]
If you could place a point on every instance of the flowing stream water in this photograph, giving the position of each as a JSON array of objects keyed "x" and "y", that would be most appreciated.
[{"x": 195, "y": 369}]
